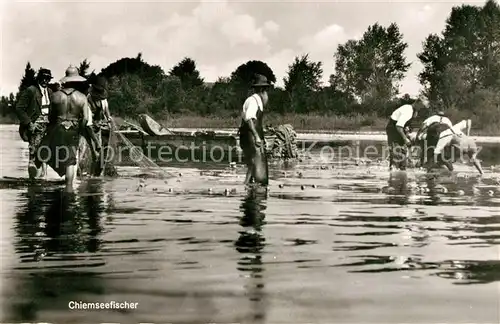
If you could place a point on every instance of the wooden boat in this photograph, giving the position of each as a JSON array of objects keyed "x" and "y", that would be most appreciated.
[
  {"x": 150, "y": 126},
  {"x": 182, "y": 146},
  {"x": 161, "y": 144}
]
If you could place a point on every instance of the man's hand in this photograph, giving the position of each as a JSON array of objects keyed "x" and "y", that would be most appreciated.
[
  {"x": 31, "y": 127},
  {"x": 258, "y": 141},
  {"x": 407, "y": 141}
]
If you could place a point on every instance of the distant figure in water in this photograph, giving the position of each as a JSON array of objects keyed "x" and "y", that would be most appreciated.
[
  {"x": 68, "y": 117},
  {"x": 454, "y": 137},
  {"x": 397, "y": 135},
  {"x": 251, "y": 133}
]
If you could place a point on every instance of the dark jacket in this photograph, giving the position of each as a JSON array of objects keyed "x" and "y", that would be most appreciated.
[{"x": 28, "y": 107}]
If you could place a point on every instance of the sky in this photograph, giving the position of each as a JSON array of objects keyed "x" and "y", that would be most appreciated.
[{"x": 218, "y": 35}]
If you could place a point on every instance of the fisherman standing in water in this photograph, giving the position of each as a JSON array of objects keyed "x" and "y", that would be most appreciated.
[
  {"x": 397, "y": 136},
  {"x": 251, "y": 133},
  {"x": 101, "y": 118},
  {"x": 69, "y": 116},
  {"x": 32, "y": 110}
]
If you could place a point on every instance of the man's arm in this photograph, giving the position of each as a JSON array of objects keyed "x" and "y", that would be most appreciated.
[
  {"x": 403, "y": 135},
  {"x": 250, "y": 116},
  {"x": 421, "y": 130},
  {"x": 86, "y": 121},
  {"x": 400, "y": 124},
  {"x": 475, "y": 161},
  {"x": 105, "y": 108},
  {"x": 22, "y": 105},
  {"x": 251, "y": 125}
]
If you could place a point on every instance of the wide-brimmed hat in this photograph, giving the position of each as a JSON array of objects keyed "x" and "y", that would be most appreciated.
[
  {"x": 72, "y": 75},
  {"x": 44, "y": 73},
  {"x": 100, "y": 88},
  {"x": 260, "y": 81}
]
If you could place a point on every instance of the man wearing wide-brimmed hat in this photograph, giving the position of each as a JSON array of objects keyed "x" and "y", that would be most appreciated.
[
  {"x": 98, "y": 99},
  {"x": 32, "y": 109},
  {"x": 69, "y": 116},
  {"x": 101, "y": 117},
  {"x": 251, "y": 132},
  {"x": 397, "y": 136}
]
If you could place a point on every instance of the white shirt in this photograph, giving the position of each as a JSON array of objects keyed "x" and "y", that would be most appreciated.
[
  {"x": 99, "y": 104},
  {"x": 251, "y": 106},
  {"x": 437, "y": 119},
  {"x": 45, "y": 100},
  {"x": 458, "y": 128},
  {"x": 463, "y": 142},
  {"x": 402, "y": 115},
  {"x": 89, "y": 112}
]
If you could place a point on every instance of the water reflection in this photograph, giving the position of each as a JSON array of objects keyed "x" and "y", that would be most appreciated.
[
  {"x": 470, "y": 272},
  {"x": 55, "y": 221},
  {"x": 250, "y": 244},
  {"x": 56, "y": 231},
  {"x": 400, "y": 192}
]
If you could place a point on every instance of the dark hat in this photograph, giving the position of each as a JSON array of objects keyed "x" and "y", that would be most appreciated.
[
  {"x": 44, "y": 73},
  {"x": 100, "y": 88},
  {"x": 260, "y": 81},
  {"x": 72, "y": 75}
]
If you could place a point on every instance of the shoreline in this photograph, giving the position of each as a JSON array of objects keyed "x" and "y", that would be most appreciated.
[
  {"x": 319, "y": 136},
  {"x": 332, "y": 136},
  {"x": 302, "y": 124}
]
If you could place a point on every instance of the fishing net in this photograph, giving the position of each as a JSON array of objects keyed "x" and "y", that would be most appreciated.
[
  {"x": 285, "y": 144},
  {"x": 117, "y": 150},
  {"x": 103, "y": 166},
  {"x": 136, "y": 155}
]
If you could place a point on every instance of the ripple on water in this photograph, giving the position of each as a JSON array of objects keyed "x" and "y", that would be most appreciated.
[{"x": 198, "y": 247}]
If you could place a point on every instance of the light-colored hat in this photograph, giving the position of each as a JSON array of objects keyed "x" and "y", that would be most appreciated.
[{"x": 72, "y": 75}]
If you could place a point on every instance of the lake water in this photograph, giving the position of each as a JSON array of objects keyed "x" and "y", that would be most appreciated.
[{"x": 330, "y": 243}]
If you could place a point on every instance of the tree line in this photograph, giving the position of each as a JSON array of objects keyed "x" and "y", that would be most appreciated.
[{"x": 461, "y": 75}]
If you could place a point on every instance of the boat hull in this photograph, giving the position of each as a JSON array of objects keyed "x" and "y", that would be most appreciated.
[{"x": 184, "y": 147}]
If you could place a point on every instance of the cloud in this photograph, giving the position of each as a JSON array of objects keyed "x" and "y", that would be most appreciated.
[
  {"x": 212, "y": 33},
  {"x": 322, "y": 45},
  {"x": 241, "y": 29},
  {"x": 218, "y": 35},
  {"x": 419, "y": 23},
  {"x": 277, "y": 61},
  {"x": 271, "y": 26}
]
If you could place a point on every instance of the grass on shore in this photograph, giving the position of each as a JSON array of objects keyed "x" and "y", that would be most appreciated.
[{"x": 301, "y": 123}]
